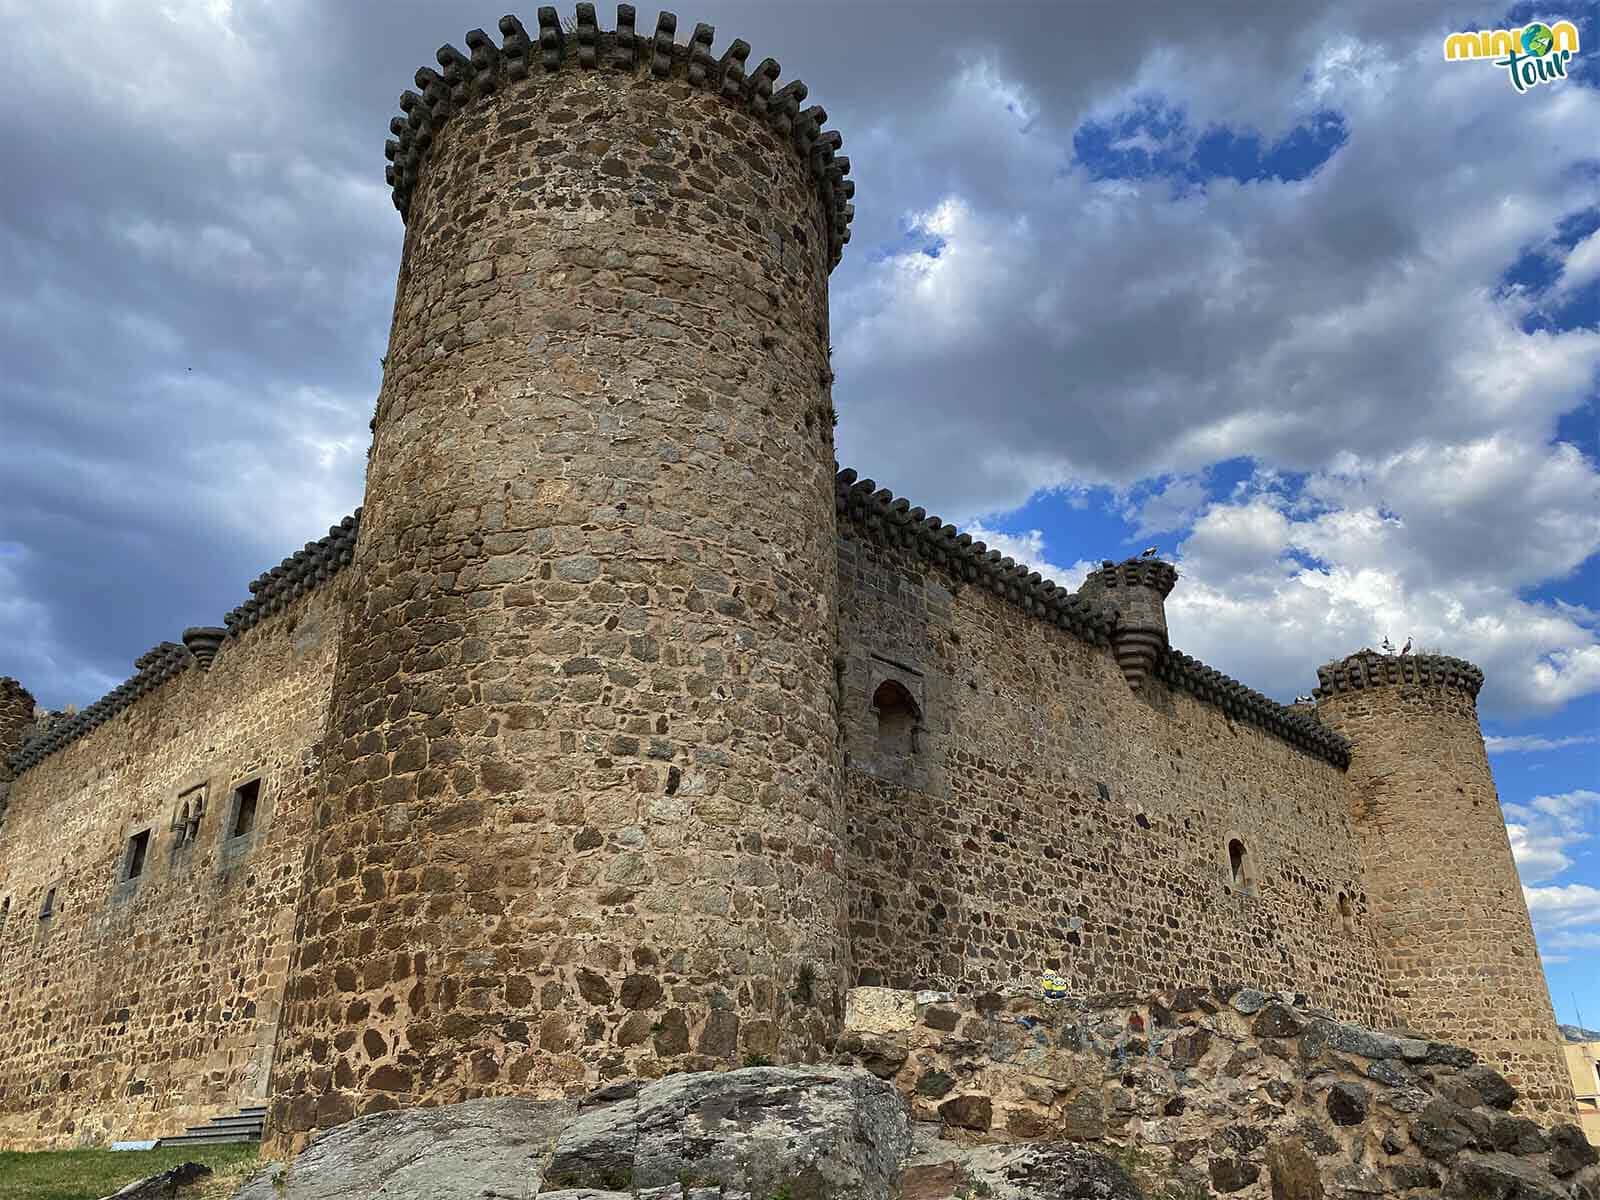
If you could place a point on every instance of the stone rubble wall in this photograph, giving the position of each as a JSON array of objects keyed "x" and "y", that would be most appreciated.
[
  {"x": 139, "y": 1007},
  {"x": 1049, "y": 817},
  {"x": 1230, "y": 1090}
]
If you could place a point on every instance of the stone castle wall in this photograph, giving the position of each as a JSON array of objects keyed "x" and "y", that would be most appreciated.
[
  {"x": 1452, "y": 926},
  {"x": 581, "y": 815},
  {"x": 140, "y": 1006},
  {"x": 632, "y": 757},
  {"x": 1049, "y": 817}
]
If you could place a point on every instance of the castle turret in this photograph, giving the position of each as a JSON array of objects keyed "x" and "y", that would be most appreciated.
[
  {"x": 16, "y": 718},
  {"x": 580, "y": 814},
  {"x": 1138, "y": 590},
  {"x": 1447, "y": 908}
]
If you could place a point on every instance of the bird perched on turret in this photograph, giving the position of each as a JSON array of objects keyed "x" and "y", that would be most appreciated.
[
  {"x": 1150, "y": 553},
  {"x": 1406, "y": 649}
]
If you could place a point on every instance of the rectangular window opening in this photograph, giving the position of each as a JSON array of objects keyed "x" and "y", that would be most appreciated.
[
  {"x": 49, "y": 904},
  {"x": 138, "y": 846},
  {"x": 246, "y": 797}
]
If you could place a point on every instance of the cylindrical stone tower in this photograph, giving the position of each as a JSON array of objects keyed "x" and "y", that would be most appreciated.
[
  {"x": 1447, "y": 907},
  {"x": 1138, "y": 588},
  {"x": 580, "y": 813},
  {"x": 16, "y": 718}
]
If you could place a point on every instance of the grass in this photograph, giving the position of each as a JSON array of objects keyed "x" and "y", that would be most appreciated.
[{"x": 90, "y": 1174}]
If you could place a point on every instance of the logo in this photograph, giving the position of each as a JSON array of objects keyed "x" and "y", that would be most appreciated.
[{"x": 1532, "y": 55}]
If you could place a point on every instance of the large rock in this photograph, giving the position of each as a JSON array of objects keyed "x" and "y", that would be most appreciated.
[
  {"x": 465, "y": 1151},
  {"x": 814, "y": 1132},
  {"x": 165, "y": 1185},
  {"x": 759, "y": 1132}
]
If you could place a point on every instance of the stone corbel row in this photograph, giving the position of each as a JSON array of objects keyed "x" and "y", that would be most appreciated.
[
  {"x": 1369, "y": 669},
  {"x": 463, "y": 78},
  {"x": 894, "y": 522},
  {"x": 154, "y": 667},
  {"x": 301, "y": 572},
  {"x": 1243, "y": 703}
]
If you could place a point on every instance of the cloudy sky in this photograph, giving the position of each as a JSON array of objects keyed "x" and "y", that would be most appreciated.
[{"x": 1272, "y": 287}]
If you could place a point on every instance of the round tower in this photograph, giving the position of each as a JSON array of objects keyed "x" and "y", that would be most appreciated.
[
  {"x": 1447, "y": 907},
  {"x": 580, "y": 814},
  {"x": 16, "y": 718},
  {"x": 1138, "y": 589}
]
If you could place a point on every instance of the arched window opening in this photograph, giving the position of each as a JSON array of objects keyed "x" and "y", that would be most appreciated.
[
  {"x": 1347, "y": 913},
  {"x": 1241, "y": 869},
  {"x": 898, "y": 719}
]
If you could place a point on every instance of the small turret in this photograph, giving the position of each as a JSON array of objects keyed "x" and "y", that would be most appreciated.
[
  {"x": 1138, "y": 590},
  {"x": 16, "y": 718},
  {"x": 203, "y": 643}
]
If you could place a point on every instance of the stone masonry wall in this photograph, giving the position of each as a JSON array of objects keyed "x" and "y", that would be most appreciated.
[
  {"x": 1452, "y": 925},
  {"x": 141, "y": 1006},
  {"x": 1049, "y": 817},
  {"x": 581, "y": 814},
  {"x": 1216, "y": 1091}
]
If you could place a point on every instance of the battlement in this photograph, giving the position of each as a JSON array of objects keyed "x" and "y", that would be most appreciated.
[
  {"x": 894, "y": 522},
  {"x": 1243, "y": 703},
  {"x": 271, "y": 592},
  {"x": 468, "y": 77},
  {"x": 304, "y": 570},
  {"x": 1150, "y": 573},
  {"x": 1370, "y": 669}
]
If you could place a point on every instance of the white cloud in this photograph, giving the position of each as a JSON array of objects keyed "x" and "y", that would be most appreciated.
[{"x": 1531, "y": 743}]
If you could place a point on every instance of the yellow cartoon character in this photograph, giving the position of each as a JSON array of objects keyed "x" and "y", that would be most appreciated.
[{"x": 1052, "y": 985}]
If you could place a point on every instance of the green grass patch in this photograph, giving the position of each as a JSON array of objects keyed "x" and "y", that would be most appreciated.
[{"x": 90, "y": 1174}]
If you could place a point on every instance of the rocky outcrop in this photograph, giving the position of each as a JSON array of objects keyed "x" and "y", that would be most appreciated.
[
  {"x": 753, "y": 1133},
  {"x": 1218, "y": 1092},
  {"x": 1221, "y": 1091}
]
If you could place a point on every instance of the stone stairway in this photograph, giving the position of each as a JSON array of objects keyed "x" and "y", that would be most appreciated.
[{"x": 243, "y": 1126}]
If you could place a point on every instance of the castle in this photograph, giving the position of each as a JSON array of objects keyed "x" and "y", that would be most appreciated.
[{"x": 619, "y": 732}]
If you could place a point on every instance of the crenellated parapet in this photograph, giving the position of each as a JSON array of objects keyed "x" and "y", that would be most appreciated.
[
  {"x": 465, "y": 78},
  {"x": 1369, "y": 669},
  {"x": 1242, "y": 703},
  {"x": 272, "y": 592},
  {"x": 895, "y": 522},
  {"x": 152, "y": 669},
  {"x": 1151, "y": 573},
  {"x": 303, "y": 571}
]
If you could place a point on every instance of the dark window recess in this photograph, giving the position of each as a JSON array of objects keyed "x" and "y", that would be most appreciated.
[
  {"x": 49, "y": 904},
  {"x": 1346, "y": 913},
  {"x": 1241, "y": 870},
  {"x": 245, "y": 800},
  {"x": 5, "y": 910},
  {"x": 897, "y": 718},
  {"x": 138, "y": 847}
]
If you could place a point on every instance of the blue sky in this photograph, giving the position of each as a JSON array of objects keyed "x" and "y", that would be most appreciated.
[{"x": 1321, "y": 320}]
